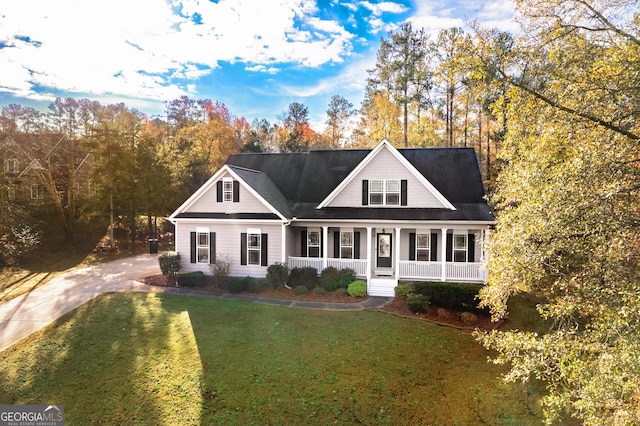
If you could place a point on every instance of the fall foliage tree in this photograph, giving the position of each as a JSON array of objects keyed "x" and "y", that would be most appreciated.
[{"x": 569, "y": 208}]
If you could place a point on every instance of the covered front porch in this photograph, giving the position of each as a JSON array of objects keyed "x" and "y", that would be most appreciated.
[{"x": 382, "y": 255}]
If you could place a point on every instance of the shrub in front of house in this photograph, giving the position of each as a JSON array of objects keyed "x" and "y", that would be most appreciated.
[
  {"x": 220, "y": 270},
  {"x": 329, "y": 278},
  {"x": 319, "y": 291},
  {"x": 236, "y": 285},
  {"x": 345, "y": 277},
  {"x": 278, "y": 275},
  {"x": 357, "y": 288},
  {"x": 252, "y": 284},
  {"x": 456, "y": 296},
  {"x": 417, "y": 303},
  {"x": 300, "y": 290},
  {"x": 307, "y": 276},
  {"x": 340, "y": 292},
  {"x": 169, "y": 265},
  {"x": 403, "y": 290},
  {"x": 192, "y": 279}
]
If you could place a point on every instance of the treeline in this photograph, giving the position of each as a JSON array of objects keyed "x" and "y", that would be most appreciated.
[{"x": 421, "y": 93}]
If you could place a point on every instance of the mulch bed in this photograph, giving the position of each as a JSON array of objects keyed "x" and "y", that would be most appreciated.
[{"x": 396, "y": 307}]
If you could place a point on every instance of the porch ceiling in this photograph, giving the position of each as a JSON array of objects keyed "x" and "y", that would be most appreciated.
[{"x": 464, "y": 212}]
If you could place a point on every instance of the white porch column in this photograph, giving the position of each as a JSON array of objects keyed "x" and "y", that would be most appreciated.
[
  {"x": 396, "y": 250},
  {"x": 284, "y": 244},
  {"x": 443, "y": 254},
  {"x": 325, "y": 246},
  {"x": 368, "y": 274}
]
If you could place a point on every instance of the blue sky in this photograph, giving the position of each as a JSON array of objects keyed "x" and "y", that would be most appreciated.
[{"x": 255, "y": 56}]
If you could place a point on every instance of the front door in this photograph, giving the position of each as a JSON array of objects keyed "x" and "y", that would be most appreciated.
[{"x": 384, "y": 251}]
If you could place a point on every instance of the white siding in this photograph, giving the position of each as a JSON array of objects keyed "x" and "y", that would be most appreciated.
[
  {"x": 228, "y": 244},
  {"x": 386, "y": 166},
  {"x": 207, "y": 203}
]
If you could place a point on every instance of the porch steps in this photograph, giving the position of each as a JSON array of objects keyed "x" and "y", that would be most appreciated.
[{"x": 383, "y": 287}]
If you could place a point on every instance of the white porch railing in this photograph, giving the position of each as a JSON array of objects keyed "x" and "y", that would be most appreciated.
[
  {"x": 420, "y": 270},
  {"x": 358, "y": 265},
  {"x": 409, "y": 269},
  {"x": 465, "y": 271}
]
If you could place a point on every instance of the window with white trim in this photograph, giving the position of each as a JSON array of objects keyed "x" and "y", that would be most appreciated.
[
  {"x": 384, "y": 192},
  {"x": 423, "y": 247},
  {"x": 227, "y": 189},
  {"x": 202, "y": 246},
  {"x": 346, "y": 244},
  {"x": 313, "y": 244},
  {"x": 253, "y": 248},
  {"x": 460, "y": 247},
  {"x": 11, "y": 165},
  {"x": 37, "y": 192}
]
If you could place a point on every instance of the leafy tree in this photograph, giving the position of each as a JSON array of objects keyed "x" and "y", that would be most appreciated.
[
  {"x": 401, "y": 70},
  {"x": 568, "y": 202},
  {"x": 338, "y": 115},
  {"x": 295, "y": 134},
  {"x": 450, "y": 49}
]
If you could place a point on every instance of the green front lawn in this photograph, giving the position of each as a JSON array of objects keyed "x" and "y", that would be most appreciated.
[{"x": 163, "y": 359}]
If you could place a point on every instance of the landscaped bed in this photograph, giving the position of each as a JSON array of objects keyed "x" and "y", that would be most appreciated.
[
  {"x": 167, "y": 359},
  {"x": 397, "y": 306}
]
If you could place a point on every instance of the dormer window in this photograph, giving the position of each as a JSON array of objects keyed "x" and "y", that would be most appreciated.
[
  {"x": 228, "y": 190},
  {"x": 11, "y": 166},
  {"x": 384, "y": 192}
]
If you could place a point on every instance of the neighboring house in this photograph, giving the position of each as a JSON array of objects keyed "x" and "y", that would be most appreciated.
[
  {"x": 389, "y": 214},
  {"x": 36, "y": 166}
]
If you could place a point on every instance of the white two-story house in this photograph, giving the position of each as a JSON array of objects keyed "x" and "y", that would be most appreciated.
[{"x": 389, "y": 214}]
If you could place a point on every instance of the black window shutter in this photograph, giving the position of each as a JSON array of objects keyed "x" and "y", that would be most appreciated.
[
  {"x": 412, "y": 246},
  {"x": 236, "y": 191},
  {"x": 212, "y": 247},
  {"x": 263, "y": 251},
  {"x": 434, "y": 247},
  {"x": 449, "y": 247},
  {"x": 336, "y": 245},
  {"x": 365, "y": 192},
  {"x": 356, "y": 245},
  {"x": 403, "y": 192},
  {"x": 219, "y": 191},
  {"x": 471, "y": 243},
  {"x": 321, "y": 243},
  {"x": 193, "y": 247},
  {"x": 243, "y": 248},
  {"x": 303, "y": 243}
]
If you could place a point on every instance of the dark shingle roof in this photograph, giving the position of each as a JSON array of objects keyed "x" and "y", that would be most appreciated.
[{"x": 295, "y": 183}]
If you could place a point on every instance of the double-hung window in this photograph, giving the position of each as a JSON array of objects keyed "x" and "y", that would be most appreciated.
[
  {"x": 253, "y": 248},
  {"x": 11, "y": 166},
  {"x": 346, "y": 245},
  {"x": 313, "y": 244},
  {"x": 202, "y": 245},
  {"x": 384, "y": 192},
  {"x": 227, "y": 189},
  {"x": 460, "y": 247},
  {"x": 37, "y": 192},
  {"x": 423, "y": 247}
]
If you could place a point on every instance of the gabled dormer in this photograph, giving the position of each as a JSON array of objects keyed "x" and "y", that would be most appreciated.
[
  {"x": 386, "y": 179},
  {"x": 234, "y": 192}
]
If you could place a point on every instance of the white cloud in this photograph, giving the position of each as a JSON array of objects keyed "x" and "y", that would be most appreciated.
[
  {"x": 146, "y": 47},
  {"x": 263, "y": 68},
  {"x": 384, "y": 7}
]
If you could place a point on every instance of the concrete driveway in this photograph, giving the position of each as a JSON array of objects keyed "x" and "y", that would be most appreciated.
[{"x": 25, "y": 314}]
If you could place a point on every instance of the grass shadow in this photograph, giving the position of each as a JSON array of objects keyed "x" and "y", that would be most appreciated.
[{"x": 111, "y": 361}]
